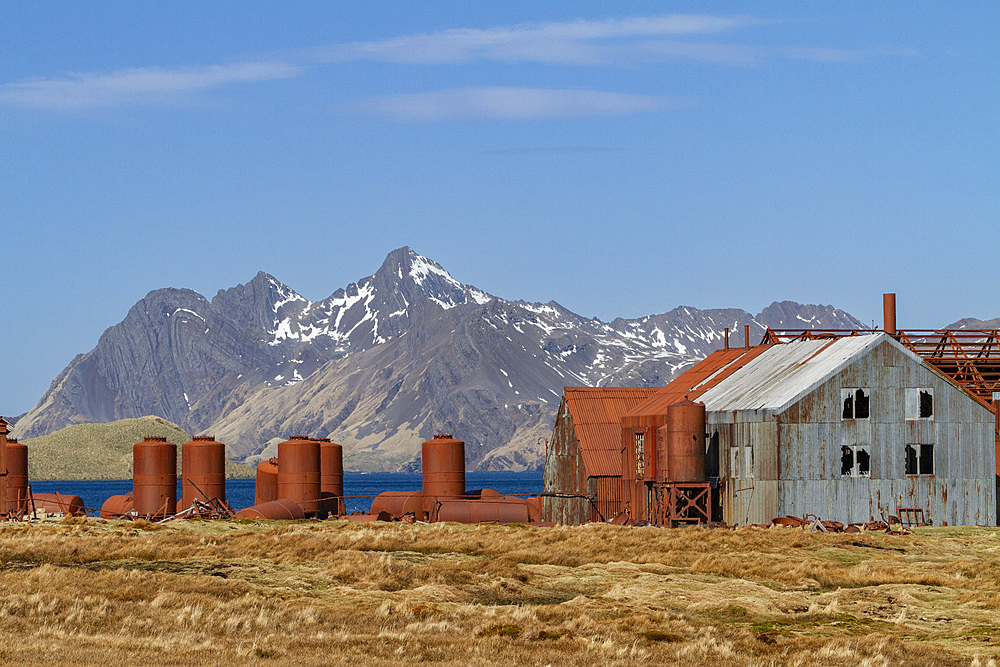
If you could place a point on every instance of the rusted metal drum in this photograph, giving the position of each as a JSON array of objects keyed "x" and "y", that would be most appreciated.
[
  {"x": 154, "y": 477},
  {"x": 503, "y": 509},
  {"x": 298, "y": 473},
  {"x": 203, "y": 466},
  {"x": 266, "y": 488},
  {"x": 282, "y": 508},
  {"x": 443, "y": 464},
  {"x": 17, "y": 476},
  {"x": 399, "y": 503},
  {"x": 683, "y": 443},
  {"x": 117, "y": 506},
  {"x": 58, "y": 503},
  {"x": 331, "y": 475}
]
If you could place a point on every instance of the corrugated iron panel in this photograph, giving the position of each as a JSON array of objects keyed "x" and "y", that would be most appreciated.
[
  {"x": 698, "y": 379},
  {"x": 610, "y": 494},
  {"x": 783, "y": 373},
  {"x": 597, "y": 413}
]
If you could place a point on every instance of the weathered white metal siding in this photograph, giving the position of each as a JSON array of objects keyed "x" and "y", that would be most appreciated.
[{"x": 796, "y": 448}]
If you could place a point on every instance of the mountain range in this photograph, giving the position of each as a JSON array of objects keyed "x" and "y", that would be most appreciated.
[{"x": 380, "y": 365}]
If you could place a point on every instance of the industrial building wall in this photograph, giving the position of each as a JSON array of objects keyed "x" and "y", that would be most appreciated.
[
  {"x": 565, "y": 475},
  {"x": 794, "y": 462}
]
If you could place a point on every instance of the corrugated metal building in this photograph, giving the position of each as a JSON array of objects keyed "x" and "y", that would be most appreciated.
[
  {"x": 583, "y": 473},
  {"x": 850, "y": 429}
]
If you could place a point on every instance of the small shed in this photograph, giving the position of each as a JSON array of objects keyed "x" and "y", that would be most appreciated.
[{"x": 583, "y": 470}]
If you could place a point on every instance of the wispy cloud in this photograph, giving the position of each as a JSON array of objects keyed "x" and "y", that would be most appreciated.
[
  {"x": 574, "y": 42},
  {"x": 515, "y": 104},
  {"x": 626, "y": 42},
  {"x": 136, "y": 86}
]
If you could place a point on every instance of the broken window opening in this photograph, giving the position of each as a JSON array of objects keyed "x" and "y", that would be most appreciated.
[
  {"x": 846, "y": 460},
  {"x": 856, "y": 404},
  {"x": 640, "y": 454},
  {"x": 919, "y": 403},
  {"x": 712, "y": 456},
  {"x": 920, "y": 459},
  {"x": 926, "y": 462},
  {"x": 864, "y": 463},
  {"x": 926, "y": 404},
  {"x": 860, "y": 404},
  {"x": 854, "y": 461}
]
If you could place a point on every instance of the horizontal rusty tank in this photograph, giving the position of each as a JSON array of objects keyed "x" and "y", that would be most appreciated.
[
  {"x": 59, "y": 503},
  {"x": 117, "y": 506},
  {"x": 154, "y": 477},
  {"x": 442, "y": 462},
  {"x": 266, "y": 488},
  {"x": 203, "y": 471},
  {"x": 500, "y": 509},
  {"x": 17, "y": 476},
  {"x": 331, "y": 475},
  {"x": 298, "y": 473},
  {"x": 399, "y": 503},
  {"x": 282, "y": 508},
  {"x": 682, "y": 443}
]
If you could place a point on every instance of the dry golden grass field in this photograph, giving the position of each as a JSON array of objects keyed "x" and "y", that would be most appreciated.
[{"x": 90, "y": 591}]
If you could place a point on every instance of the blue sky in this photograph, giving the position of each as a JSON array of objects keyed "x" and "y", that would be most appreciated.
[{"x": 619, "y": 158}]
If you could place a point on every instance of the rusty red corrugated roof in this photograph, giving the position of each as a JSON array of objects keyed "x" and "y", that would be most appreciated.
[
  {"x": 698, "y": 379},
  {"x": 597, "y": 413}
]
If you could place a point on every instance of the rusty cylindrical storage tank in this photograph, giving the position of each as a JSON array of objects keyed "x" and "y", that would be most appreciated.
[
  {"x": 500, "y": 509},
  {"x": 684, "y": 443},
  {"x": 331, "y": 475},
  {"x": 116, "y": 506},
  {"x": 17, "y": 476},
  {"x": 203, "y": 466},
  {"x": 398, "y": 503},
  {"x": 266, "y": 488},
  {"x": 154, "y": 477},
  {"x": 281, "y": 508},
  {"x": 298, "y": 473},
  {"x": 59, "y": 503},
  {"x": 442, "y": 461}
]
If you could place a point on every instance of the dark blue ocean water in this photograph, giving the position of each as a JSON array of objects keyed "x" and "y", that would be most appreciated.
[{"x": 359, "y": 488}]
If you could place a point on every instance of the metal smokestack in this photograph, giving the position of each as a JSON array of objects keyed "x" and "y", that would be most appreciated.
[{"x": 889, "y": 313}]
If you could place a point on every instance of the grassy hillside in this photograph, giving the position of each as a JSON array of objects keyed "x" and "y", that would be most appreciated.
[
  {"x": 103, "y": 451},
  {"x": 229, "y": 592}
]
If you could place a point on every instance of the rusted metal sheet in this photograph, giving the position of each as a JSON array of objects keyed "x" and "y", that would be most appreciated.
[
  {"x": 608, "y": 495},
  {"x": 596, "y": 413},
  {"x": 697, "y": 380}
]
